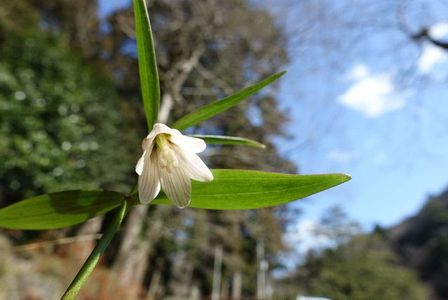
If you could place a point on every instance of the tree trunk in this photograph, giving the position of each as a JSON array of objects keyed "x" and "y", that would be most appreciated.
[
  {"x": 195, "y": 293},
  {"x": 261, "y": 273},
  {"x": 131, "y": 261},
  {"x": 129, "y": 252},
  {"x": 132, "y": 252},
  {"x": 92, "y": 226},
  {"x": 236, "y": 285},
  {"x": 217, "y": 273},
  {"x": 154, "y": 285}
]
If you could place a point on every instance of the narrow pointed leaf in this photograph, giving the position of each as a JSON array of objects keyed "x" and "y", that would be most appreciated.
[
  {"x": 243, "y": 189},
  {"x": 212, "y": 109},
  {"x": 58, "y": 210},
  {"x": 147, "y": 64},
  {"x": 228, "y": 140}
]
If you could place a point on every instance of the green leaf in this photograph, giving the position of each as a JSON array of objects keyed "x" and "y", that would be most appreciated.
[
  {"x": 243, "y": 189},
  {"x": 228, "y": 140},
  {"x": 57, "y": 210},
  {"x": 212, "y": 109},
  {"x": 147, "y": 64}
]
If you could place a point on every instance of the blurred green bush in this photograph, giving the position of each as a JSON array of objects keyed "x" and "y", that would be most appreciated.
[{"x": 61, "y": 123}]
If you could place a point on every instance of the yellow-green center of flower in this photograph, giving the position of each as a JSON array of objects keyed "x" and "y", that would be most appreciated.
[{"x": 167, "y": 157}]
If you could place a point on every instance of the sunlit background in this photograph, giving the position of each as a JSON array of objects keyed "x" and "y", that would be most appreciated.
[{"x": 365, "y": 94}]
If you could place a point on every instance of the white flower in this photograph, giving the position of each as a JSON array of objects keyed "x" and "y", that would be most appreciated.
[{"x": 169, "y": 161}]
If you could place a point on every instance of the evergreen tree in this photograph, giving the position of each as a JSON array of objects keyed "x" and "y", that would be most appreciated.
[{"x": 61, "y": 122}]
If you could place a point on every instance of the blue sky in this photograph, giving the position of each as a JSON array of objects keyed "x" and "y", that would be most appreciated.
[
  {"x": 375, "y": 109},
  {"x": 390, "y": 135},
  {"x": 351, "y": 112},
  {"x": 396, "y": 158},
  {"x": 108, "y": 6}
]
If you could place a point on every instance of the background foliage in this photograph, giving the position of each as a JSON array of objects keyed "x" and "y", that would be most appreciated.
[{"x": 61, "y": 121}]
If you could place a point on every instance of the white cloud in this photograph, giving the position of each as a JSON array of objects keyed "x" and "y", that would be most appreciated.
[
  {"x": 303, "y": 237},
  {"x": 439, "y": 30},
  {"x": 372, "y": 95},
  {"x": 430, "y": 58},
  {"x": 358, "y": 72}
]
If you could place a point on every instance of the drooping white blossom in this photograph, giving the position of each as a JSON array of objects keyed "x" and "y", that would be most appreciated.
[{"x": 169, "y": 161}]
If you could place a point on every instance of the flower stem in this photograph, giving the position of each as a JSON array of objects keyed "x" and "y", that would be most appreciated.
[{"x": 73, "y": 290}]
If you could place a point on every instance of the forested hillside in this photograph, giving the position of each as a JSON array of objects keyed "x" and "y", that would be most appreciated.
[
  {"x": 406, "y": 261},
  {"x": 421, "y": 242}
]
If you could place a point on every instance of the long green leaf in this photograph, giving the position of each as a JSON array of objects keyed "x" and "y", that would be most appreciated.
[
  {"x": 243, "y": 189},
  {"x": 212, "y": 109},
  {"x": 57, "y": 210},
  {"x": 228, "y": 140},
  {"x": 147, "y": 64}
]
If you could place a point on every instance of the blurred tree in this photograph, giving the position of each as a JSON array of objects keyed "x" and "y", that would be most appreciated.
[
  {"x": 363, "y": 268},
  {"x": 354, "y": 266},
  {"x": 77, "y": 19},
  {"x": 16, "y": 16},
  {"x": 61, "y": 124},
  {"x": 336, "y": 226},
  {"x": 203, "y": 54},
  {"x": 422, "y": 243}
]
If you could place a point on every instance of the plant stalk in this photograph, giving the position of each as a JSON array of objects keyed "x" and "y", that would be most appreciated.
[{"x": 85, "y": 271}]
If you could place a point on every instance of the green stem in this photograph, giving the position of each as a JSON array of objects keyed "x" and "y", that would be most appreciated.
[{"x": 73, "y": 290}]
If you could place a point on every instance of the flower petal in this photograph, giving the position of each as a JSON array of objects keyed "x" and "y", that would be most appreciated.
[
  {"x": 177, "y": 186},
  {"x": 158, "y": 128},
  {"x": 187, "y": 143},
  {"x": 140, "y": 163},
  {"x": 161, "y": 128},
  {"x": 195, "y": 167},
  {"x": 149, "y": 181}
]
